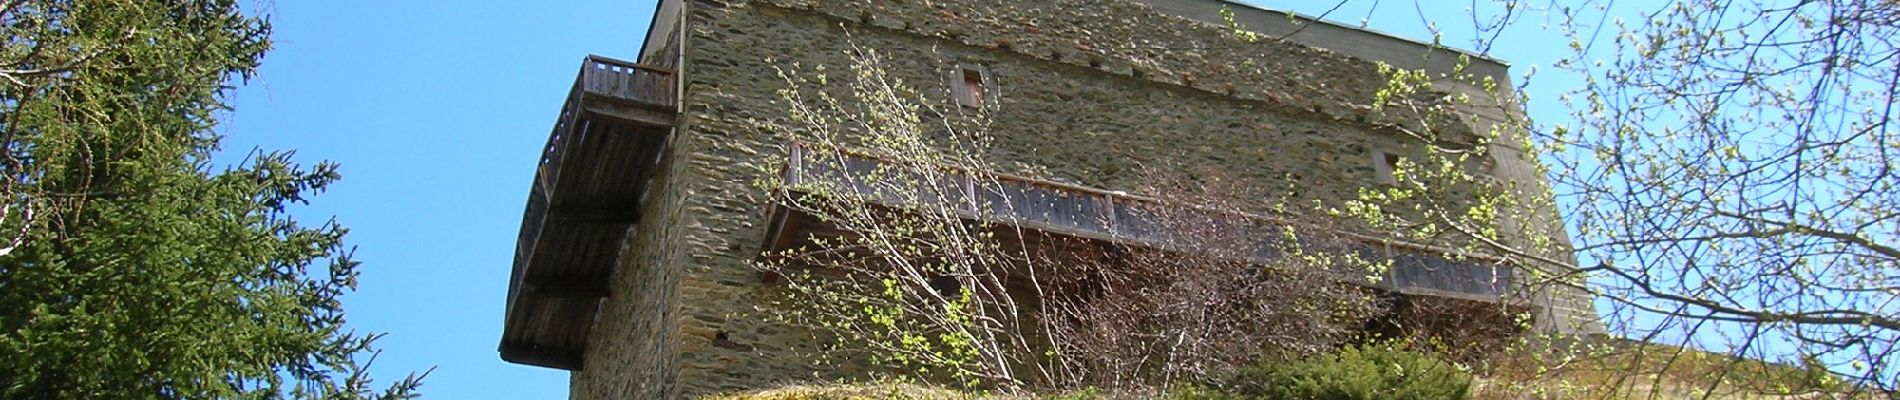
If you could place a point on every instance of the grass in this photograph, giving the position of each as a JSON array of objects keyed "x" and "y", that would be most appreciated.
[
  {"x": 849, "y": 392},
  {"x": 902, "y": 392},
  {"x": 1626, "y": 369},
  {"x": 1615, "y": 370}
]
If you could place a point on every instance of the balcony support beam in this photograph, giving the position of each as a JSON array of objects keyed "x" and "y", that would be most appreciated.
[
  {"x": 569, "y": 286},
  {"x": 594, "y": 172},
  {"x": 644, "y": 114},
  {"x": 621, "y": 213}
]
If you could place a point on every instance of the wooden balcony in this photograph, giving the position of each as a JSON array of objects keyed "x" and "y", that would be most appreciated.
[
  {"x": 1060, "y": 210},
  {"x": 585, "y": 197}
]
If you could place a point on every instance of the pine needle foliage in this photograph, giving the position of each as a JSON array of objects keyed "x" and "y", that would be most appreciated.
[{"x": 133, "y": 266}]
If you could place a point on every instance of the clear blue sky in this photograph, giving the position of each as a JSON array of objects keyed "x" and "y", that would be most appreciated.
[{"x": 436, "y": 111}]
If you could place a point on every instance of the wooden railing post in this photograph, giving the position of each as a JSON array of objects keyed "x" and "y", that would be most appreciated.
[
  {"x": 642, "y": 83},
  {"x": 795, "y": 165}
]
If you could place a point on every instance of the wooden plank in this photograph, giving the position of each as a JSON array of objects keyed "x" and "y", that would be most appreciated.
[
  {"x": 629, "y": 83},
  {"x": 656, "y": 69},
  {"x": 540, "y": 357},
  {"x": 572, "y": 286},
  {"x": 548, "y": 256},
  {"x": 577, "y": 162},
  {"x": 612, "y": 167},
  {"x": 618, "y": 213},
  {"x": 538, "y": 336}
]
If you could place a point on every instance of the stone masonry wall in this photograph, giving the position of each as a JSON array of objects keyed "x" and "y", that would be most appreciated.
[
  {"x": 1087, "y": 90},
  {"x": 631, "y": 351}
]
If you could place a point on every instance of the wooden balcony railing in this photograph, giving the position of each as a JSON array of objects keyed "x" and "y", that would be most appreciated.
[
  {"x": 588, "y": 185},
  {"x": 604, "y": 79},
  {"x": 1090, "y": 213},
  {"x": 638, "y": 83}
]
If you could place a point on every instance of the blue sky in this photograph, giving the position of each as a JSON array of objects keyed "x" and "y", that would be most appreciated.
[{"x": 436, "y": 111}]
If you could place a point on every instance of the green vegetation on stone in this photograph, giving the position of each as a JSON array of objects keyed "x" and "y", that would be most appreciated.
[{"x": 1366, "y": 372}]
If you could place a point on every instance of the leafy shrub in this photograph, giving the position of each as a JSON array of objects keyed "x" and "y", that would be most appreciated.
[
  {"x": 880, "y": 391},
  {"x": 1353, "y": 373}
]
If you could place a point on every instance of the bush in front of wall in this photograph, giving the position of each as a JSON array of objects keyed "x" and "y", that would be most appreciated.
[{"x": 1377, "y": 371}]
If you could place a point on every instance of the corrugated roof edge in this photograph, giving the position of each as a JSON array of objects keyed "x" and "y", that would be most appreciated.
[
  {"x": 1310, "y": 18},
  {"x": 661, "y": 5},
  {"x": 652, "y": 24}
]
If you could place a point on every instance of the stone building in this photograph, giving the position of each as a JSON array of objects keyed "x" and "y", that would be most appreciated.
[{"x": 632, "y": 266}]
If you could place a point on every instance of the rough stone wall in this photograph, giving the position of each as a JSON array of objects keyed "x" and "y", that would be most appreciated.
[
  {"x": 632, "y": 349},
  {"x": 1087, "y": 91}
]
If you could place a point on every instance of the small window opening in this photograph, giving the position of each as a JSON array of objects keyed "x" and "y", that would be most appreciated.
[
  {"x": 973, "y": 88},
  {"x": 947, "y": 286},
  {"x": 1388, "y": 166}
]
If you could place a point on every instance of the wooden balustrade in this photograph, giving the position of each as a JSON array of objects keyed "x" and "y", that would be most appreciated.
[
  {"x": 588, "y": 184},
  {"x": 1092, "y": 213},
  {"x": 633, "y": 82}
]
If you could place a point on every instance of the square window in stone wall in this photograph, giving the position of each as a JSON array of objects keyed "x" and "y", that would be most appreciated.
[
  {"x": 971, "y": 85},
  {"x": 1386, "y": 165}
]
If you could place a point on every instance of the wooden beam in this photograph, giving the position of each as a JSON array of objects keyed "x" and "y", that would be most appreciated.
[
  {"x": 570, "y": 286},
  {"x": 541, "y": 356},
  {"x": 631, "y": 112},
  {"x": 622, "y": 214}
]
